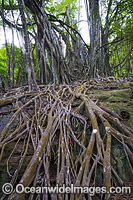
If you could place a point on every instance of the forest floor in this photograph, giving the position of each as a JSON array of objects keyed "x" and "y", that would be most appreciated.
[{"x": 73, "y": 111}]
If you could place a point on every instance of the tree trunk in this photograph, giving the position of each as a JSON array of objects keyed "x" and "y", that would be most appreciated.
[
  {"x": 27, "y": 42},
  {"x": 13, "y": 57},
  {"x": 95, "y": 25},
  {"x": 105, "y": 49},
  {"x": 7, "y": 49}
]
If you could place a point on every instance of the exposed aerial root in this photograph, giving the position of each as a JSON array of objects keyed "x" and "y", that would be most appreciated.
[{"x": 64, "y": 127}]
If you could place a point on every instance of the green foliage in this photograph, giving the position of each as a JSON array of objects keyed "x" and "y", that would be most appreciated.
[
  {"x": 14, "y": 4},
  {"x": 3, "y": 60},
  {"x": 120, "y": 27},
  {"x": 58, "y": 8}
]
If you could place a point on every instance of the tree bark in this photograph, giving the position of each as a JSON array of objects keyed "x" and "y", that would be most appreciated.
[
  {"x": 27, "y": 42},
  {"x": 95, "y": 27},
  {"x": 7, "y": 49}
]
